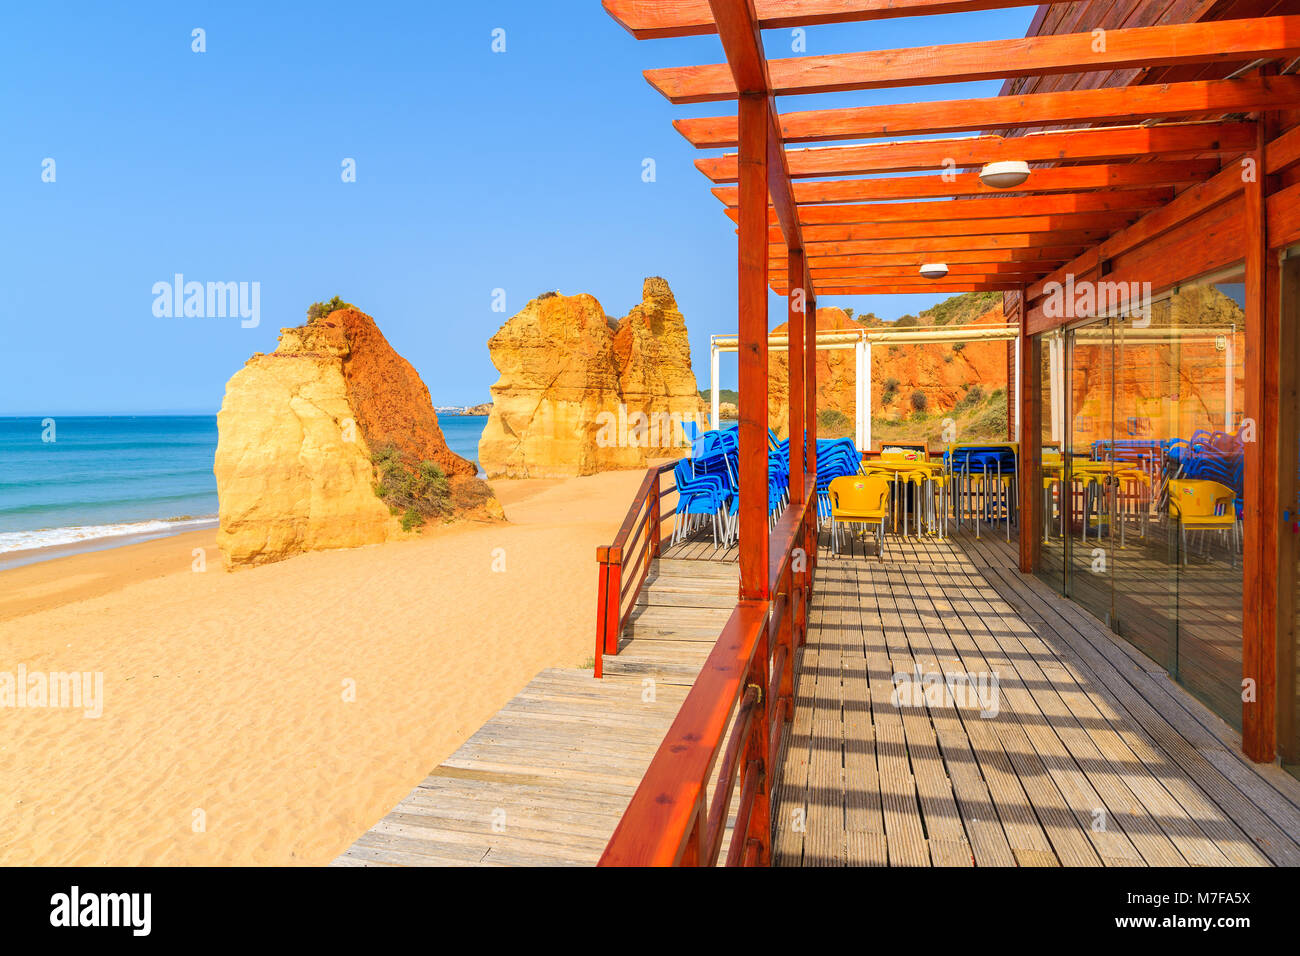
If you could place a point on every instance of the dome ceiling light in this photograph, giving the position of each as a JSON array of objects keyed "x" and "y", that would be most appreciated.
[
  {"x": 1006, "y": 174},
  {"x": 934, "y": 270}
]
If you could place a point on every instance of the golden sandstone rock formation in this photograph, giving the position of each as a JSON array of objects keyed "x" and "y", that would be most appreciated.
[
  {"x": 297, "y": 435},
  {"x": 580, "y": 393}
]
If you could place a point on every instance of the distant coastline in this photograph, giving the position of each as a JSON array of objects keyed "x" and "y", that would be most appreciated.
[{"x": 462, "y": 411}]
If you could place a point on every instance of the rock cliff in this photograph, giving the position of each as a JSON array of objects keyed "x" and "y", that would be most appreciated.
[
  {"x": 299, "y": 433},
  {"x": 580, "y": 393},
  {"x": 942, "y": 372}
]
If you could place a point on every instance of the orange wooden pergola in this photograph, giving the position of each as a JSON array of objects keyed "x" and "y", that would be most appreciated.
[{"x": 840, "y": 220}]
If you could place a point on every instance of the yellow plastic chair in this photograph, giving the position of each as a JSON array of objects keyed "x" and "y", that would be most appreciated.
[
  {"x": 859, "y": 500},
  {"x": 1195, "y": 503}
]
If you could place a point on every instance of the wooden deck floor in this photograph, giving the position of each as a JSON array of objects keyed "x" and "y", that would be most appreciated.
[{"x": 1094, "y": 757}]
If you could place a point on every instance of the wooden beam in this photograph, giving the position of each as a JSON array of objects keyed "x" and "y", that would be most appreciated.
[
  {"x": 1220, "y": 41},
  {"x": 810, "y": 411},
  {"x": 1056, "y": 179},
  {"x": 1030, "y": 241},
  {"x": 914, "y": 278},
  {"x": 1116, "y": 200},
  {"x": 1112, "y": 143},
  {"x": 1113, "y": 104},
  {"x": 752, "y": 280},
  {"x": 1284, "y": 151},
  {"x": 662, "y": 19},
  {"x": 950, "y": 256},
  {"x": 1072, "y": 222},
  {"x": 1261, "y": 508},
  {"x": 1030, "y": 471},
  {"x": 909, "y": 270},
  {"x": 796, "y": 312},
  {"x": 893, "y": 287},
  {"x": 1284, "y": 217}
]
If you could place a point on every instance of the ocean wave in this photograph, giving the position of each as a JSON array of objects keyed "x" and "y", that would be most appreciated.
[{"x": 50, "y": 537}]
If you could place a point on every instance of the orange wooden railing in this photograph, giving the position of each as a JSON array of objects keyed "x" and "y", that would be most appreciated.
[
  {"x": 749, "y": 673},
  {"x": 622, "y": 566}
]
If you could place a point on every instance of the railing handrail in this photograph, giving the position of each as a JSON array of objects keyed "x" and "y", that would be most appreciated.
[
  {"x": 625, "y": 530},
  {"x": 643, "y": 515},
  {"x": 668, "y": 821}
]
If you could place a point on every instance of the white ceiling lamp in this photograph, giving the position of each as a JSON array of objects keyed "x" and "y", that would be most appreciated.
[
  {"x": 934, "y": 270},
  {"x": 1006, "y": 174}
]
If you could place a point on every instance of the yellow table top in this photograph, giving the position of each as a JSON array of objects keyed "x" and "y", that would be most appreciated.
[{"x": 903, "y": 465}]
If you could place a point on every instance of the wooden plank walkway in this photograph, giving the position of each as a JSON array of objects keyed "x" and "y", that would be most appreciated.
[
  {"x": 1087, "y": 755},
  {"x": 545, "y": 781}
]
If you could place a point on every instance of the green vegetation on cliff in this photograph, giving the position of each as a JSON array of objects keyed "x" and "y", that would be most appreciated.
[
  {"x": 318, "y": 310},
  {"x": 417, "y": 494}
]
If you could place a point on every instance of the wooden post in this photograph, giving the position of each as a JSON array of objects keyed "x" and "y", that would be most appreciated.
[
  {"x": 796, "y": 298},
  {"x": 759, "y": 830},
  {"x": 1288, "y": 303},
  {"x": 602, "y": 595},
  {"x": 810, "y": 418},
  {"x": 1030, "y": 476},
  {"x": 752, "y": 350},
  {"x": 1011, "y": 378},
  {"x": 654, "y": 517},
  {"x": 1262, "y": 508},
  {"x": 613, "y": 600}
]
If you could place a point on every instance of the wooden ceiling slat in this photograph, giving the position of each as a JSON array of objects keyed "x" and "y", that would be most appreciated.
[
  {"x": 920, "y": 287},
  {"x": 1119, "y": 104},
  {"x": 1057, "y": 254},
  {"x": 1220, "y": 41},
  {"x": 914, "y": 244},
  {"x": 966, "y": 209},
  {"x": 906, "y": 270},
  {"x": 1098, "y": 222},
  {"x": 1057, "y": 179},
  {"x": 913, "y": 274},
  {"x": 1107, "y": 143},
  {"x": 973, "y": 208},
  {"x": 662, "y": 19}
]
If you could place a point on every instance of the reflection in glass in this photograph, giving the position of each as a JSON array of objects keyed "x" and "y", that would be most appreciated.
[{"x": 1144, "y": 526}]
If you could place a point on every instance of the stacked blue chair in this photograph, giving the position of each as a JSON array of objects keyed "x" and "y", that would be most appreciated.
[
  {"x": 983, "y": 483},
  {"x": 836, "y": 458},
  {"x": 708, "y": 484}
]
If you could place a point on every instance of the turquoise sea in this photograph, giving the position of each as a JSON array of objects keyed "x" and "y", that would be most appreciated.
[{"x": 74, "y": 479}]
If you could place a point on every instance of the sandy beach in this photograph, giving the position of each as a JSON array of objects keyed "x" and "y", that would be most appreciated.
[{"x": 226, "y": 736}]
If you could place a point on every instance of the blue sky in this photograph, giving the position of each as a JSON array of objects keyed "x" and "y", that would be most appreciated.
[{"x": 475, "y": 171}]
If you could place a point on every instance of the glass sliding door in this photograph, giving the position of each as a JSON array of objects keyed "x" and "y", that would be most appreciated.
[
  {"x": 1089, "y": 430},
  {"x": 1051, "y": 558},
  {"x": 1144, "y": 527},
  {"x": 1147, "y": 383},
  {"x": 1204, "y": 501}
]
